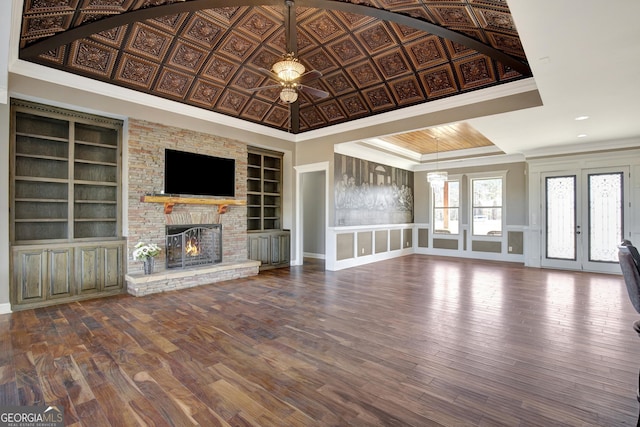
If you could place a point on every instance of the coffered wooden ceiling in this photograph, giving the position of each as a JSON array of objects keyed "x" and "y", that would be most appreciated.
[{"x": 375, "y": 55}]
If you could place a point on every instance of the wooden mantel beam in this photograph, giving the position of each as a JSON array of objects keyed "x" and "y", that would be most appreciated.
[{"x": 170, "y": 201}]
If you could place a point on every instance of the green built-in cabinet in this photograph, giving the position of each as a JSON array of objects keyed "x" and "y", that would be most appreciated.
[{"x": 65, "y": 182}]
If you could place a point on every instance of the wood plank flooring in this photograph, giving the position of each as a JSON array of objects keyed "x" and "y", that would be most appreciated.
[{"x": 418, "y": 340}]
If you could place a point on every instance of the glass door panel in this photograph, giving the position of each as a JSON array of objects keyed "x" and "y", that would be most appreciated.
[
  {"x": 584, "y": 219},
  {"x": 605, "y": 219},
  {"x": 561, "y": 217}
]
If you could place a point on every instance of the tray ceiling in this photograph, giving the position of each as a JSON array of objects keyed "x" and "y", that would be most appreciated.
[{"x": 375, "y": 56}]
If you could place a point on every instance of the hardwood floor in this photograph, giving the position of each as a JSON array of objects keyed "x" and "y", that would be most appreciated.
[{"x": 422, "y": 341}]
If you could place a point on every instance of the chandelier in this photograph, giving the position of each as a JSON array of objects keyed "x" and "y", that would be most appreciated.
[
  {"x": 437, "y": 178},
  {"x": 288, "y": 71}
]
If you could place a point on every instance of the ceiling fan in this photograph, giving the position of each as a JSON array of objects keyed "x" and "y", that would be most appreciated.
[{"x": 289, "y": 72}]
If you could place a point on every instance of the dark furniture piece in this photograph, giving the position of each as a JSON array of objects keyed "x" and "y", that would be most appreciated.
[{"x": 630, "y": 265}]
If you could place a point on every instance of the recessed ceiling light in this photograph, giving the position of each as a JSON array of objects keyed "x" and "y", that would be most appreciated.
[
  {"x": 581, "y": 118},
  {"x": 582, "y": 135}
]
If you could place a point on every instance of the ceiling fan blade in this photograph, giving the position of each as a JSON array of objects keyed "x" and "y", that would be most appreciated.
[
  {"x": 313, "y": 91},
  {"x": 310, "y": 75},
  {"x": 259, "y": 88},
  {"x": 269, "y": 73}
]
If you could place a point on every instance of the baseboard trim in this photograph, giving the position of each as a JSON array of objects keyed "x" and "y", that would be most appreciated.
[{"x": 5, "y": 308}]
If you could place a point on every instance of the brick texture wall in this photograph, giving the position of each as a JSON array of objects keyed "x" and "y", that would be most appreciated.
[{"x": 147, "y": 221}]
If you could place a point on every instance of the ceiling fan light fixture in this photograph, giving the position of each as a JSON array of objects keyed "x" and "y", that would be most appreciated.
[
  {"x": 289, "y": 69},
  {"x": 288, "y": 95}
]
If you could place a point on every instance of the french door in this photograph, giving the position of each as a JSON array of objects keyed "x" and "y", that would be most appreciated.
[{"x": 584, "y": 214}]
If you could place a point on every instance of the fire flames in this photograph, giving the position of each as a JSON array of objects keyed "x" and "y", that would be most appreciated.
[{"x": 192, "y": 248}]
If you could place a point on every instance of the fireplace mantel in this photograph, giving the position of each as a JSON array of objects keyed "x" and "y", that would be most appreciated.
[{"x": 170, "y": 201}]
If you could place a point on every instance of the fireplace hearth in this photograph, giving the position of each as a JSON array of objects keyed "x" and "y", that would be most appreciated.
[{"x": 193, "y": 245}]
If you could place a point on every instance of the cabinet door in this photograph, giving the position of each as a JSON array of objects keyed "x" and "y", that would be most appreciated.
[
  {"x": 280, "y": 247},
  {"x": 30, "y": 268},
  {"x": 88, "y": 269},
  {"x": 59, "y": 273},
  {"x": 99, "y": 268},
  {"x": 112, "y": 267},
  {"x": 259, "y": 248}
]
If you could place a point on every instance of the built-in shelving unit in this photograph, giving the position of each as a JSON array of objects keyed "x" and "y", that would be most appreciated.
[
  {"x": 65, "y": 193},
  {"x": 267, "y": 241},
  {"x": 264, "y": 190}
]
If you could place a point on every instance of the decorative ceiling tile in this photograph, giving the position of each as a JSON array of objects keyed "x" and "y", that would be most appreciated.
[
  {"x": 439, "y": 81},
  {"x": 388, "y": 4},
  {"x": 407, "y": 90},
  {"x": 319, "y": 60},
  {"x": 202, "y": 30},
  {"x": 173, "y": 83},
  {"x": 352, "y": 20},
  {"x": 426, "y": 52},
  {"x": 248, "y": 79},
  {"x": 227, "y": 14},
  {"x": 232, "y": 102},
  {"x": 457, "y": 50},
  {"x": 187, "y": 56},
  {"x": 345, "y": 50},
  {"x": 205, "y": 93},
  {"x": 332, "y": 111},
  {"x": 92, "y": 57},
  {"x": 354, "y": 105},
  {"x": 35, "y": 27},
  {"x": 322, "y": 27},
  {"x": 54, "y": 55},
  {"x": 115, "y": 5},
  {"x": 278, "y": 116},
  {"x": 113, "y": 36},
  {"x": 311, "y": 117},
  {"x": 49, "y": 6},
  {"x": 338, "y": 83},
  {"x": 405, "y": 33},
  {"x": 171, "y": 23},
  {"x": 136, "y": 71},
  {"x": 378, "y": 98},
  {"x": 264, "y": 58},
  {"x": 392, "y": 64},
  {"x": 85, "y": 17},
  {"x": 496, "y": 20},
  {"x": 219, "y": 69},
  {"x": 148, "y": 41},
  {"x": 474, "y": 71},
  {"x": 258, "y": 24},
  {"x": 238, "y": 47},
  {"x": 256, "y": 110},
  {"x": 364, "y": 74},
  {"x": 507, "y": 43},
  {"x": 376, "y": 37},
  {"x": 452, "y": 16}
]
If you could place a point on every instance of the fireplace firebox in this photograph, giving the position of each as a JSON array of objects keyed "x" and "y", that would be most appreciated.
[{"x": 193, "y": 245}]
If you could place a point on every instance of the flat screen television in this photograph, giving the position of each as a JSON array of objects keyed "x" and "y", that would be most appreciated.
[{"x": 198, "y": 175}]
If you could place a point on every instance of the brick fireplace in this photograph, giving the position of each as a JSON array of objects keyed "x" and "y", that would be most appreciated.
[{"x": 147, "y": 222}]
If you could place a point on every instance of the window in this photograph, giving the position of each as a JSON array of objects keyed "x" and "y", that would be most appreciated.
[
  {"x": 487, "y": 206},
  {"x": 446, "y": 208}
]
